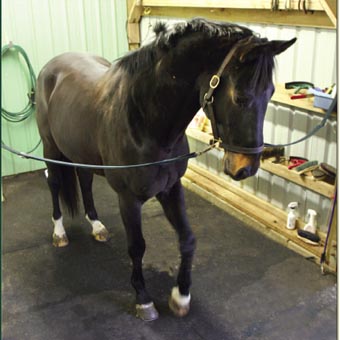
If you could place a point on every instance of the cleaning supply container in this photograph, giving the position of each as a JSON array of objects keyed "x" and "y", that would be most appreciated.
[
  {"x": 292, "y": 216},
  {"x": 311, "y": 224}
]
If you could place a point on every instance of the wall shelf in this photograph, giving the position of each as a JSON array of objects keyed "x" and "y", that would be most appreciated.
[
  {"x": 308, "y": 182},
  {"x": 282, "y": 96}
]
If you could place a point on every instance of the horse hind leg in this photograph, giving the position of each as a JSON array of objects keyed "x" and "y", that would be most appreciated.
[
  {"x": 62, "y": 183},
  {"x": 99, "y": 232},
  {"x": 53, "y": 176}
]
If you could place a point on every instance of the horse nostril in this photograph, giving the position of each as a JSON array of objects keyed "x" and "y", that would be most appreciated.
[{"x": 242, "y": 174}]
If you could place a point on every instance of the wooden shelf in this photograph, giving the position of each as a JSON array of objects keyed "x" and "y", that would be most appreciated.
[
  {"x": 308, "y": 182},
  {"x": 282, "y": 96}
]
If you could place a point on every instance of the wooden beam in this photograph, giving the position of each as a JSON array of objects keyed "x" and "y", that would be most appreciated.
[
  {"x": 135, "y": 10},
  {"x": 133, "y": 31},
  {"x": 236, "y": 4},
  {"x": 283, "y": 17},
  {"x": 329, "y": 7}
]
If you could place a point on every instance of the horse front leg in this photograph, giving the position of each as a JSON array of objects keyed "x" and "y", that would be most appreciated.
[
  {"x": 174, "y": 209},
  {"x": 130, "y": 210}
]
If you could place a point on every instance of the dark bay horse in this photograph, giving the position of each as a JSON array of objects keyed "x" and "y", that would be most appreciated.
[{"x": 136, "y": 110}]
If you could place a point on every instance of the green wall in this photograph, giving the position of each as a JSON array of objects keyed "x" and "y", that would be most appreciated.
[{"x": 44, "y": 29}]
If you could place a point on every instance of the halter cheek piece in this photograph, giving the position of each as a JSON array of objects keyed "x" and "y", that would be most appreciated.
[{"x": 208, "y": 101}]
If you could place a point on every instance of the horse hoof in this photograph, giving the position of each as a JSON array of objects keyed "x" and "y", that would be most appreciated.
[
  {"x": 60, "y": 241},
  {"x": 177, "y": 309},
  {"x": 179, "y": 304},
  {"x": 101, "y": 236},
  {"x": 147, "y": 312}
]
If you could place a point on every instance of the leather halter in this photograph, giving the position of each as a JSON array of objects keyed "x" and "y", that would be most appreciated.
[{"x": 208, "y": 100}]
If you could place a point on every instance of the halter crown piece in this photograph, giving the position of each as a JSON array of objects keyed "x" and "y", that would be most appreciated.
[{"x": 208, "y": 100}]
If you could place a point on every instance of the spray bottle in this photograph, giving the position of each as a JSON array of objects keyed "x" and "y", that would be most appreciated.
[
  {"x": 311, "y": 224},
  {"x": 291, "y": 218}
]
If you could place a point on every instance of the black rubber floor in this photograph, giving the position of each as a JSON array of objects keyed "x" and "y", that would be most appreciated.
[{"x": 245, "y": 286}]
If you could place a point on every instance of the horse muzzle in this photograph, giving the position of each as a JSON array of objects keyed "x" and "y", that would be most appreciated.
[{"x": 240, "y": 166}]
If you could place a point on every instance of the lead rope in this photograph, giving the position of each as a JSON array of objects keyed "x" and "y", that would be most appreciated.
[
  {"x": 94, "y": 166},
  {"x": 311, "y": 133}
]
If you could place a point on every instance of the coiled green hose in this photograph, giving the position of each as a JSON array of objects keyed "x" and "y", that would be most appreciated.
[
  {"x": 16, "y": 117},
  {"x": 29, "y": 108}
]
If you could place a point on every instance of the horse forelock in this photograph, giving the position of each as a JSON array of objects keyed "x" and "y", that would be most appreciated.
[{"x": 259, "y": 76}]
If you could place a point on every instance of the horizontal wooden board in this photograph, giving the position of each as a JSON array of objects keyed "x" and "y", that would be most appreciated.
[
  {"x": 258, "y": 16},
  {"x": 245, "y": 4}
]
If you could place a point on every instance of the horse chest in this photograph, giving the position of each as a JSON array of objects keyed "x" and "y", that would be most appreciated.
[{"x": 161, "y": 179}]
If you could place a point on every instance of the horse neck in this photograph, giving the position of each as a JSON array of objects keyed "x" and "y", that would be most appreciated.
[
  {"x": 172, "y": 92},
  {"x": 166, "y": 104}
]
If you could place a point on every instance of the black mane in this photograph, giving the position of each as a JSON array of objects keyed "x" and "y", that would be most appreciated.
[{"x": 168, "y": 37}]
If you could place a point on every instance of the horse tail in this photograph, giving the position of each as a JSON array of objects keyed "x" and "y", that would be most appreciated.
[{"x": 69, "y": 189}]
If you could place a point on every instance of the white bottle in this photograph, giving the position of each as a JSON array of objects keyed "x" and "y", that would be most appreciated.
[
  {"x": 291, "y": 218},
  {"x": 311, "y": 224}
]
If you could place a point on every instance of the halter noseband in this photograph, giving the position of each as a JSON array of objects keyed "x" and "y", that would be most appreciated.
[{"x": 208, "y": 100}]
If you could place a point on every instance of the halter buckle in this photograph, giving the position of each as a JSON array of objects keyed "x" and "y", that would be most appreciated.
[
  {"x": 208, "y": 100},
  {"x": 214, "y": 81}
]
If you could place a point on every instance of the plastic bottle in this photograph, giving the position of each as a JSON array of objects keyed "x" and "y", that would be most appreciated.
[
  {"x": 311, "y": 224},
  {"x": 291, "y": 218}
]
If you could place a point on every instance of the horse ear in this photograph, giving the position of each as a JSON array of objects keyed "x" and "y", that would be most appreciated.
[
  {"x": 273, "y": 47},
  {"x": 278, "y": 46}
]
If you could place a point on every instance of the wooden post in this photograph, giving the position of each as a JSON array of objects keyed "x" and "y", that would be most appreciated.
[
  {"x": 330, "y": 8},
  {"x": 135, "y": 10}
]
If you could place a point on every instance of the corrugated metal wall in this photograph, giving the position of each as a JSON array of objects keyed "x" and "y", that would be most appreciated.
[
  {"x": 312, "y": 58},
  {"x": 45, "y": 29}
]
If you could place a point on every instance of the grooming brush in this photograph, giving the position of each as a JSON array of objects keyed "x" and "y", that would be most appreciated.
[{"x": 305, "y": 167}]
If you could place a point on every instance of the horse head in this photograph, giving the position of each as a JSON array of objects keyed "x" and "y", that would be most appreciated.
[{"x": 236, "y": 101}]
